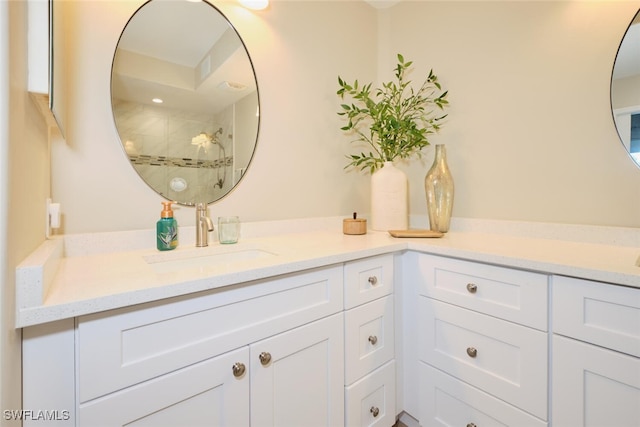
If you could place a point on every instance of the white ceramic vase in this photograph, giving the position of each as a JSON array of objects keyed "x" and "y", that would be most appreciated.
[{"x": 389, "y": 205}]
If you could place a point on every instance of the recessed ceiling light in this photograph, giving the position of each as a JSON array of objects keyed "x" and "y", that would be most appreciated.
[
  {"x": 255, "y": 4},
  {"x": 157, "y": 100}
]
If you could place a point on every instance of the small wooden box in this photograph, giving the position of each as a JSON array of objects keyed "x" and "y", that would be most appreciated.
[{"x": 354, "y": 226}]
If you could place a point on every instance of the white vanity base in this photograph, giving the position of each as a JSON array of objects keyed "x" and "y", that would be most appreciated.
[{"x": 373, "y": 349}]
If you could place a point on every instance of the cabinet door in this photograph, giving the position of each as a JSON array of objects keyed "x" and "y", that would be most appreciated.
[
  {"x": 210, "y": 393},
  {"x": 297, "y": 377},
  {"x": 593, "y": 386}
]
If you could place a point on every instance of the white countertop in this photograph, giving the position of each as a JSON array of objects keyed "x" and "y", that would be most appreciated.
[{"x": 76, "y": 275}]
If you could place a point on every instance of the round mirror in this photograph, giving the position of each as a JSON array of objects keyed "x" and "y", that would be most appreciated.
[
  {"x": 185, "y": 100},
  {"x": 625, "y": 90}
]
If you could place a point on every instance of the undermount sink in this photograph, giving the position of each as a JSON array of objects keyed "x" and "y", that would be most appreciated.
[{"x": 201, "y": 258}]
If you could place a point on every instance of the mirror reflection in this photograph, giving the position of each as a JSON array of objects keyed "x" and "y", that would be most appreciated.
[
  {"x": 625, "y": 90},
  {"x": 185, "y": 100}
]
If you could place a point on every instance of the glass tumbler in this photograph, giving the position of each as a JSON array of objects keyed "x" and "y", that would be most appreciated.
[{"x": 228, "y": 229}]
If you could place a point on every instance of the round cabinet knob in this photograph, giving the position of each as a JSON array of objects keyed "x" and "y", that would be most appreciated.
[
  {"x": 373, "y": 280},
  {"x": 373, "y": 339},
  {"x": 472, "y": 352},
  {"x": 471, "y": 425},
  {"x": 238, "y": 369},
  {"x": 375, "y": 411},
  {"x": 472, "y": 288},
  {"x": 265, "y": 358}
]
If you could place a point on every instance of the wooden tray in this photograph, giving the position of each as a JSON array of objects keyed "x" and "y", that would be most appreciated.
[{"x": 415, "y": 233}]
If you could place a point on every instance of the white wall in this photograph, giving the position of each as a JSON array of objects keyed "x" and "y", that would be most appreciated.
[
  {"x": 530, "y": 134},
  {"x": 24, "y": 186},
  {"x": 626, "y": 92},
  {"x": 298, "y": 49},
  {"x": 9, "y": 353}
]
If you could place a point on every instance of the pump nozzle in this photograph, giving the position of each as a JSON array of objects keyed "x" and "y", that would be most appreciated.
[{"x": 167, "y": 212}]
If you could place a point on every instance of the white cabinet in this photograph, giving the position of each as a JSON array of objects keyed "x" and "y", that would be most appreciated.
[
  {"x": 297, "y": 376},
  {"x": 482, "y": 343},
  {"x": 451, "y": 402},
  {"x": 367, "y": 279},
  {"x": 600, "y": 313},
  {"x": 594, "y": 386},
  {"x": 291, "y": 379},
  {"x": 370, "y": 401},
  {"x": 369, "y": 337},
  {"x": 201, "y": 359},
  {"x": 212, "y": 393},
  {"x": 506, "y": 293},
  {"x": 124, "y": 347},
  {"x": 470, "y": 343},
  {"x": 596, "y": 354},
  {"x": 504, "y": 359},
  {"x": 370, "y": 377}
]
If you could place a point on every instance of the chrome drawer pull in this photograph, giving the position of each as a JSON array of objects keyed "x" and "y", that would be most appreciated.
[
  {"x": 265, "y": 358},
  {"x": 472, "y": 288},
  {"x": 375, "y": 411},
  {"x": 373, "y": 339},
  {"x": 373, "y": 280},
  {"x": 238, "y": 369},
  {"x": 472, "y": 352}
]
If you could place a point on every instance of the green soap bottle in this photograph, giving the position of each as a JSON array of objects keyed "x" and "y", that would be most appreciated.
[{"x": 167, "y": 229}]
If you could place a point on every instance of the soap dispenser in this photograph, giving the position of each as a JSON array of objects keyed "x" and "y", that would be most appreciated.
[{"x": 167, "y": 229}]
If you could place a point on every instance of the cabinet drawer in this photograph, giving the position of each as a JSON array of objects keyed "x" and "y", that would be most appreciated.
[
  {"x": 599, "y": 313},
  {"x": 446, "y": 401},
  {"x": 369, "y": 337},
  {"x": 514, "y": 295},
  {"x": 123, "y": 347},
  {"x": 506, "y": 360},
  {"x": 371, "y": 401},
  {"x": 367, "y": 279}
]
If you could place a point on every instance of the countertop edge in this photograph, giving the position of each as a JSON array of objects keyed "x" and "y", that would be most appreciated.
[
  {"x": 468, "y": 246},
  {"x": 35, "y": 315},
  {"x": 545, "y": 267}
]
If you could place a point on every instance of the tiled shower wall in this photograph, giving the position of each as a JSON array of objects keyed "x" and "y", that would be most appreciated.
[{"x": 157, "y": 140}]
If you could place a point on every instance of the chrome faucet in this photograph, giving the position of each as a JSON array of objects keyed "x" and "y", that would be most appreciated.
[{"x": 203, "y": 225}]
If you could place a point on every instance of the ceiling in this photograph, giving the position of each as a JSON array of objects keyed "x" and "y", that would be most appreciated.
[
  {"x": 628, "y": 59},
  {"x": 157, "y": 30},
  {"x": 199, "y": 69}
]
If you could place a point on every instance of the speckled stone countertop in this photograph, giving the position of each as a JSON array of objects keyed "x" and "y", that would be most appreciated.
[{"x": 74, "y": 275}]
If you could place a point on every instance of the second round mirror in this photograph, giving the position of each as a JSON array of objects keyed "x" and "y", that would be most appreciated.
[{"x": 625, "y": 90}]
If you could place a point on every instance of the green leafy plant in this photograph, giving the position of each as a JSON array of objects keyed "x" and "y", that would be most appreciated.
[{"x": 394, "y": 120}]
